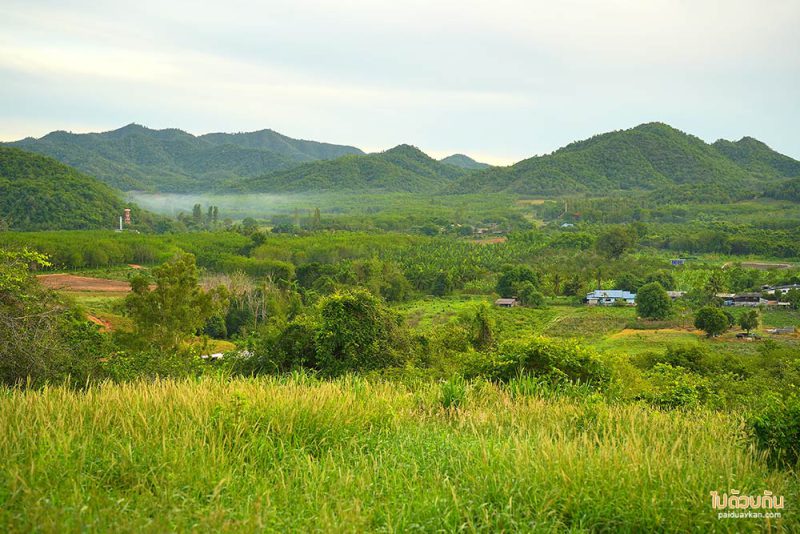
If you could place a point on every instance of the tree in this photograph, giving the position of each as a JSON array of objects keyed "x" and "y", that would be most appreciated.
[
  {"x": 173, "y": 310},
  {"x": 793, "y": 298},
  {"x": 711, "y": 320},
  {"x": 358, "y": 332},
  {"x": 652, "y": 302},
  {"x": 442, "y": 284},
  {"x": 482, "y": 327},
  {"x": 615, "y": 241},
  {"x": 530, "y": 296},
  {"x": 749, "y": 320},
  {"x": 512, "y": 278}
]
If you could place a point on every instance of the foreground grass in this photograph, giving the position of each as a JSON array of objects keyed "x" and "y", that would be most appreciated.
[{"x": 297, "y": 454}]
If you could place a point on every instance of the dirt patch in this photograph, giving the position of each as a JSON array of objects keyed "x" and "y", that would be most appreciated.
[
  {"x": 105, "y": 326},
  {"x": 134, "y": 266},
  {"x": 83, "y": 283},
  {"x": 632, "y": 331}
]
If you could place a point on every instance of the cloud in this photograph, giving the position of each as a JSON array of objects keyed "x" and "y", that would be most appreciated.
[{"x": 505, "y": 79}]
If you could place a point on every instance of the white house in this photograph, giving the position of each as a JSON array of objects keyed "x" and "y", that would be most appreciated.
[{"x": 607, "y": 297}]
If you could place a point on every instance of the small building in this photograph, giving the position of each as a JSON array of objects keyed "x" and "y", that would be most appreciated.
[
  {"x": 567, "y": 225},
  {"x": 506, "y": 303},
  {"x": 609, "y": 297},
  {"x": 747, "y": 299},
  {"x": 674, "y": 295},
  {"x": 779, "y": 331},
  {"x": 677, "y": 261},
  {"x": 781, "y": 290}
]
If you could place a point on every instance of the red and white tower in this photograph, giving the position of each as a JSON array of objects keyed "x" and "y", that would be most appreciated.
[{"x": 127, "y": 215}]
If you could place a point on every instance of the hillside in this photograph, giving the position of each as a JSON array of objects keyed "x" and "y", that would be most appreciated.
[
  {"x": 651, "y": 156},
  {"x": 39, "y": 193},
  {"x": 758, "y": 158},
  {"x": 403, "y": 168},
  {"x": 465, "y": 162},
  {"x": 171, "y": 160}
]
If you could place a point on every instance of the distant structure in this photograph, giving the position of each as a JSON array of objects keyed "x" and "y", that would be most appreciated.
[
  {"x": 609, "y": 297},
  {"x": 506, "y": 303},
  {"x": 127, "y": 216},
  {"x": 678, "y": 261}
]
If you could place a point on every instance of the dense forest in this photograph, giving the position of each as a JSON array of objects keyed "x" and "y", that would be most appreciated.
[
  {"x": 402, "y": 168},
  {"x": 651, "y": 156},
  {"x": 39, "y": 193},
  {"x": 138, "y": 158}
]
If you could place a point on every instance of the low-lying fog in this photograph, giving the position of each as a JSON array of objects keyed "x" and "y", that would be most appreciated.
[{"x": 234, "y": 206}]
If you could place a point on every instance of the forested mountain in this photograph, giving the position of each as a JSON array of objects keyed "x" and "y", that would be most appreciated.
[
  {"x": 651, "y": 156},
  {"x": 171, "y": 160},
  {"x": 465, "y": 162},
  {"x": 295, "y": 149},
  {"x": 403, "y": 168},
  {"x": 39, "y": 193},
  {"x": 758, "y": 158}
]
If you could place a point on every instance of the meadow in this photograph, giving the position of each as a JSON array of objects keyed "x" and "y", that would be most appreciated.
[{"x": 296, "y": 453}]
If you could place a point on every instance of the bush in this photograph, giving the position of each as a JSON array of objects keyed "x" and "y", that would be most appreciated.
[
  {"x": 776, "y": 430},
  {"x": 550, "y": 358},
  {"x": 357, "y": 332},
  {"x": 454, "y": 393},
  {"x": 675, "y": 387}
]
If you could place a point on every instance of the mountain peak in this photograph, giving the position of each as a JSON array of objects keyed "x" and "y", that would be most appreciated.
[{"x": 464, "y": 161}]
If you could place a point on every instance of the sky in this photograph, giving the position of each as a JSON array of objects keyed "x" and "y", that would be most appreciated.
[{"x": 498, "y": 80}]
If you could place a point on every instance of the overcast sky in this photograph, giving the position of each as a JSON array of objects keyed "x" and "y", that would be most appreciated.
[{"x": 499, "y": 80}]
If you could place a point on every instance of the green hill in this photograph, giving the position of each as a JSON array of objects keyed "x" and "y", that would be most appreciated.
[
  {"x": 39, "y": 193},
  {"x": 138, "y": 158},
  {"x": 758, "y": 158},
  {"x": 651, "y": 156},
  {"x": 465, "y": 162},
  {"x": 403, "y": 168}
]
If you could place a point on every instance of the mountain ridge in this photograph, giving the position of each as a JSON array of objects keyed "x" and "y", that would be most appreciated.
[{"x": 135, "y": 157}]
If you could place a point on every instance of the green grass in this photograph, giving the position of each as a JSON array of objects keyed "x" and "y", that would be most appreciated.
[{"x": 299, "y": 454}]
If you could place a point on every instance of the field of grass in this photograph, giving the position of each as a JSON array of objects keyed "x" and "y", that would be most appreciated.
[{"x": 297, "y": 454}]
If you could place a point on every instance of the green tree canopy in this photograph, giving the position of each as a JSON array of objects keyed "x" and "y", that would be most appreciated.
[
  {"x": 176, "y": 307},
  {"x": 652, "y": 302},
  {"x": 711, "y": 320}
]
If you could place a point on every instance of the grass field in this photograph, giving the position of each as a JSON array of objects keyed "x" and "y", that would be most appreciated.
[{"x": 297, "y": 454}]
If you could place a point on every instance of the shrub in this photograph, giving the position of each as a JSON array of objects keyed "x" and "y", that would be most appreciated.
[
  {"x": 453, "y": 393},
  {"x": 776, "y": 430},
  {"x": 358, "y": 332},
  {"x": 551, "y": 358},
  {"x": 675, "y": 387}
]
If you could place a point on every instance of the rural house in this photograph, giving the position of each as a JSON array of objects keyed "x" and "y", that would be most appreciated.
[
  {"x": 506, "y": 303},
  {"x": 608, "y": 297},
  {"x": 746, "y": 299}
]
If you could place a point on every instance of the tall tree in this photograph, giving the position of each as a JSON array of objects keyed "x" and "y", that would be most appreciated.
[{"x": 167, "y": 314}]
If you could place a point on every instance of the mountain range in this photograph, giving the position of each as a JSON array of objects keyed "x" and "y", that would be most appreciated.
[
  {"x": 402, "y": 168},
  {"x": 138, "y": 158},
  {"x": 649, "y": 157}
]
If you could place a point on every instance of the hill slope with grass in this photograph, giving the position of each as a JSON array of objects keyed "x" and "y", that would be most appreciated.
[
  {"x": 650, "y": 156},
  {"x": 402, "y": 168},
  {"x": 171, "y": 160},
  {"x": 39, "y": 193}
]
